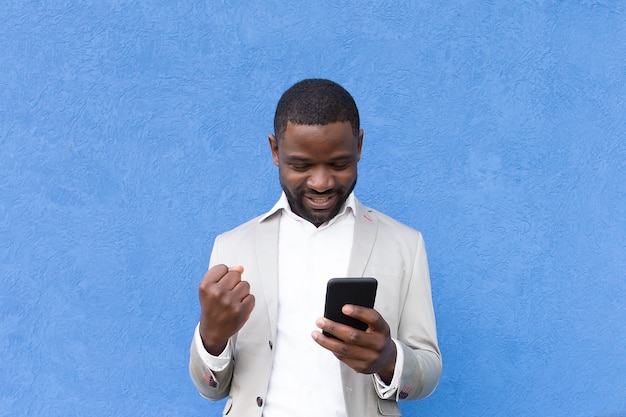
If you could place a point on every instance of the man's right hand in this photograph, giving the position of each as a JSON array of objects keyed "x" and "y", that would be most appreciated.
[{"x": 225, "y": 303}]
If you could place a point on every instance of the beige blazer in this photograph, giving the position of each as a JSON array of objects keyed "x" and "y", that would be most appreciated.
[{"x": 383, "y": 248}]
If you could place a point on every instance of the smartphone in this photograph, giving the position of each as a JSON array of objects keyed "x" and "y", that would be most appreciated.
[{"x": 342, "y": 291}]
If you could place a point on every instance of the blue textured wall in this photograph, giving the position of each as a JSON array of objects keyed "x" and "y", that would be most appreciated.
[{"x": 131, "y": 133}]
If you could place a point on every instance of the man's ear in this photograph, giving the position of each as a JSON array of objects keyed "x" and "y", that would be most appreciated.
[
  {"x": 274, "y": 147},
  {"x": 359, "y": 144}
]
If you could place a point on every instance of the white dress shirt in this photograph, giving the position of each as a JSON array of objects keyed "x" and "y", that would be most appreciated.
[{"x": 305, "y": 379}]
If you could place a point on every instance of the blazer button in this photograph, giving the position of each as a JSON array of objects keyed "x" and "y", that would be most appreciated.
[{"x": 259, "y": 401}]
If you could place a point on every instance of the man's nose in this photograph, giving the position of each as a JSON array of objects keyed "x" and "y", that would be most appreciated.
[{"x": 321, "y": 179}]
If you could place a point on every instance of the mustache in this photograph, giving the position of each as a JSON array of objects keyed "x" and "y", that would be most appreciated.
[{"x": 321, "y": 194}]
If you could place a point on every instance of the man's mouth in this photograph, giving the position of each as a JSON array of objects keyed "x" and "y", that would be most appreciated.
[{"x": 320, "y": 202}]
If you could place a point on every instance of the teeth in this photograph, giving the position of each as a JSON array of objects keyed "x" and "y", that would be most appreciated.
[{"x": 320, "y": 200}]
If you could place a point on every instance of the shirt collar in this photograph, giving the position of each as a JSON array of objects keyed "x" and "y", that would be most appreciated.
[{"x": 283, "y": 204}]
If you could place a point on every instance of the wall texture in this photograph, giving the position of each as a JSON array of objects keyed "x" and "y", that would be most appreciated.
[{"x": 132, "y": 132}]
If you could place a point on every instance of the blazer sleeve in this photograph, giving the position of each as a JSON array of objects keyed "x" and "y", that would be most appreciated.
[
  {"x": 417, "y": 334},
  {"x": 212, "y": 382}
]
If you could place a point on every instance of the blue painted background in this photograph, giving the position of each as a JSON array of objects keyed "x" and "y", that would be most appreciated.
[{"x": 132, "y": 132}]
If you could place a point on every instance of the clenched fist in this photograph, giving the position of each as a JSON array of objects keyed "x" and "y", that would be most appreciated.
[{"x": 225, "y": 303}]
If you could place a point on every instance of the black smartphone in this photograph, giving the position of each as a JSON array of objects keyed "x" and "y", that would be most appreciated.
[{"x": 342, "y": 291}]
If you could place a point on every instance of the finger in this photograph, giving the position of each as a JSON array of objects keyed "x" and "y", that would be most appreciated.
[
  {"x": 334, "y": 345},
  {"x": 237, "y": 268},
  {"x": 369, "y": 316},
  {"x": 215, "y": 273},
  {"x": 341, "y": 331},
  {"x": 348, "y": 353},
  {"x": 216, "y": 286},
  {"x": 241, "y": 290},
  {"x": 231, "y": 279},
  {"x": 360, "y": 358},
  {"x": 248, "y": 304}
]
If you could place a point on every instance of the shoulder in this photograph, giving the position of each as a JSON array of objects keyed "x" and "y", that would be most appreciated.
[
  {"x": 235, "y": 245},
  {"x": 244, "y": 230},
  {"x": 386, "y": 223}
]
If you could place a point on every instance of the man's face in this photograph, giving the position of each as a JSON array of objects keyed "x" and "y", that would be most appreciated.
[{"x": 317, "y": 167}]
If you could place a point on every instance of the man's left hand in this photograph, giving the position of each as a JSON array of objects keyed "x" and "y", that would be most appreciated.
[{"x": 367, "y": 352}]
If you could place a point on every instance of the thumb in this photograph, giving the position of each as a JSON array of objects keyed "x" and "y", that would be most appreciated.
[{"x": 237, "y": 268}]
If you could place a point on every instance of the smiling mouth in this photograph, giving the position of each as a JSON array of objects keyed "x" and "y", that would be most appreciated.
[{"x": 320, "y": 203}]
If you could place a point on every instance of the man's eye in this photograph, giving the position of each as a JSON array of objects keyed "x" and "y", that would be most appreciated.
[{"x": 299, "y": 167}]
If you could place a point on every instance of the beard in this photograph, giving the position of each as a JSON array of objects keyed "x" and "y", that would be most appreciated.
[{"x": 296, "y": 202}]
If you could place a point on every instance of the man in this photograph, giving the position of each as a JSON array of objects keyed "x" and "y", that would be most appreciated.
[{"x": 261, "y": 299}]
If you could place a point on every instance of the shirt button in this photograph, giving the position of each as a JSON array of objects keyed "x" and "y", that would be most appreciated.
[
  {"x": 271, "y": 345},
  {"x": 259, "y": 401}
]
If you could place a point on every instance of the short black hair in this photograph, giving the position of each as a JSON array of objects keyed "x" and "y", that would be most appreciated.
[{"x": 315, "y": 101}]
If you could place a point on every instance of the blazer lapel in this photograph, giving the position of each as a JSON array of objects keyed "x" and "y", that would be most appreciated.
[
  {"x": 365, "y": 228},
  {"x": 267, "y": 259},
  {"x": 355, "y": 385}
]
